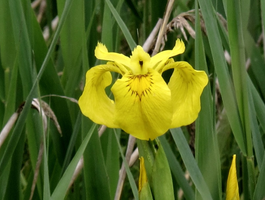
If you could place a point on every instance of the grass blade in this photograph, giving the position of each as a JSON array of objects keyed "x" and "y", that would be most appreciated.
[
  {"x": 129, "y": 173},
  {"x": 190, "y": 163},
  {"x": 226, "y": 86},
  {"x": 238, "y": 60},
  {"x": 206, "y": 145},
  {"x": 122, "y": 25},
  {"x": 235, "y": 32},
  {"x": 21, "y": 121},
  {"x": 177, "y": 170},
  {"x": 62, "y": 186},
  {"x": 259, "y": 192},
  {"x": 256, "y": 135},
  {"x": 97, "y": 185}
]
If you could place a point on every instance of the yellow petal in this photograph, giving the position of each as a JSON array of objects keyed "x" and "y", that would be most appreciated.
[
  {"x": 140, "y": 61},
  {"x": 144, "y": 187},
  {"x": 94, "y": 103},
  {"x": 179, "y": 48},
  {"x": 232, "y": 184},
  {"x": 143, "y": 105},
  {"x": 186, "y": 85},
  {"x": 101, "y": 52},
  {"x": 143, "y": 176}
]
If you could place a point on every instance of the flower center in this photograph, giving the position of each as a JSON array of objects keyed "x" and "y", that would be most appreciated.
[{"x": 140, "y": 85}]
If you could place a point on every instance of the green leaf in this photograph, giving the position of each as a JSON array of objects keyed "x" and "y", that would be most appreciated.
[
  {"x": 107, "y": 28},
  {"x": 226, "y": 86},
  {"x": 22, "y": 43},
  {"x": 95, "y": 174},
  {"x": 257, "y": 61},
  {"x": 176, "y": 170},
  {"x": 71, "y": 38},
  {"x": 129, "y": 173},
  {"x": 259, "y": 192},
  {"x": 157, "y": 168},
  {"x": 235, "y": 32},
  {"x": 46, "y": 181},
  {"x": 34, "y": 130},
  {"x": 21, "y": 121},
  {"x": 13, "y": 183},
  {"x": 62, "y": 186},
  {"x": 256, "y": 107},
  {"x": 190, "y": 163},
  {"x": 112, "y": 158},
  {"x": 206, "y": 145},
  {"x": 50, "y": 84},
  {"x": 238, "y": 60},
  {"x": 161, "y": 173},
  {"x": 122, "y": 25}
]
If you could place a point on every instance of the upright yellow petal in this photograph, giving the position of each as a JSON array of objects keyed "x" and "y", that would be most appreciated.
[
  {"x": 140, "y": 61},
  {"x": 102, "y": 53},
  {"x": 94, "y": 103},
  {"x": 186, "y": 85},
  {"x": 232, "y": 192},
  {"x": 143, "y": 105},
  {"x": 179, "y": 48}
]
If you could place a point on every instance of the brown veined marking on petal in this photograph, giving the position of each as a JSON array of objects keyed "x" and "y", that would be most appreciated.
[
  {"x": 140, "y": 78},
  {"x": 117, "y": 67},
  {"x": 141, "y": 63},
  {"x": 159, "y": 67}
]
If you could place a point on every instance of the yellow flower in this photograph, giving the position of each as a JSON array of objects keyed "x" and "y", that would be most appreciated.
[
  {"x": 144, "y": 187},
  {"x": 232, "y": 185},
  {"x": 144, "y": 105},
  {"x": 143, "y": 177}
]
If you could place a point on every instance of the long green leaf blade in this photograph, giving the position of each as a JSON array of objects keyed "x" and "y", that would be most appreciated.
[
  {"x": 61, "y": 188},
  {"x": 206, "y": 145},
  {"x": 122, "y": 25},
  {"x": 226, "y": 86},
  {"x": 190, "y": 163}
]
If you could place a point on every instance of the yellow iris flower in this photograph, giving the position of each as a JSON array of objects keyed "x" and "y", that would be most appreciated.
[
  {"x": 143, "y": 177},
  {"x": 232, "y": 192},
  {"x": 144, "y": 105}
]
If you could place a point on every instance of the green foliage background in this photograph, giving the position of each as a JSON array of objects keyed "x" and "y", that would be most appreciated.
[{"x": 228, "y": 45}]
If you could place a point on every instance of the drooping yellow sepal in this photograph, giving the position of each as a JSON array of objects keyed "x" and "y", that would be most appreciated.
[
  {"x": 232, "y": 192},
  {"x": 186, "y": 85},
  {"x": 94, "y": 103}
]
